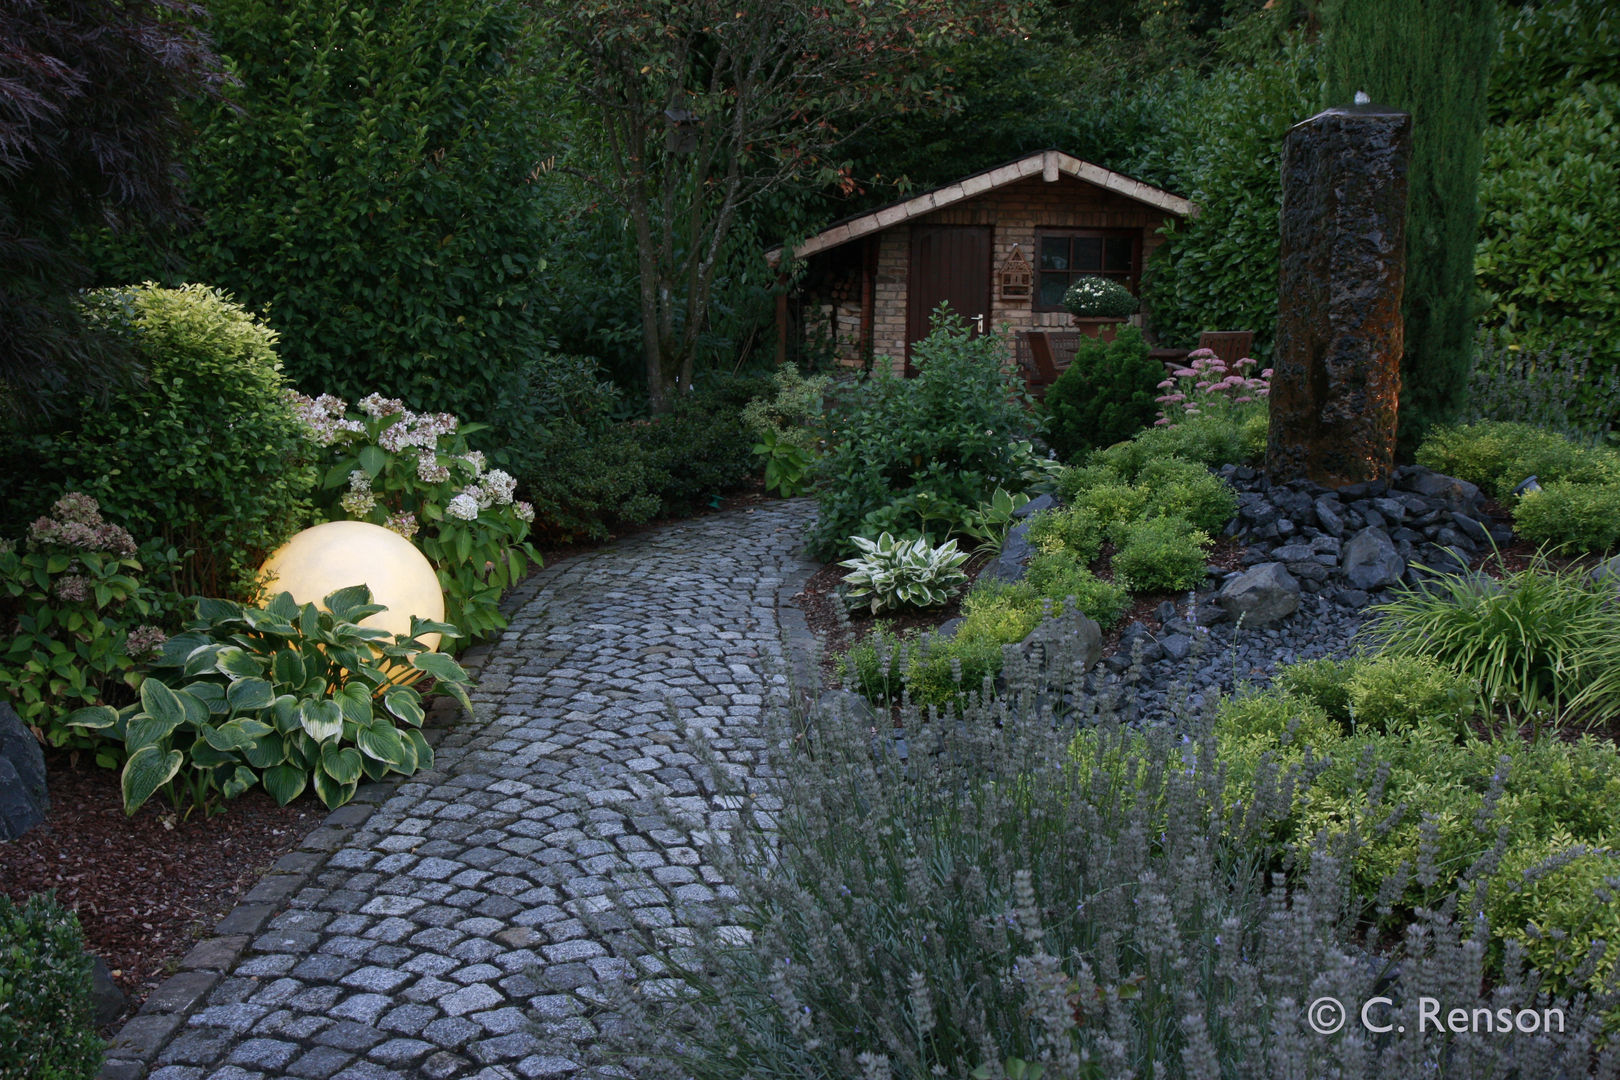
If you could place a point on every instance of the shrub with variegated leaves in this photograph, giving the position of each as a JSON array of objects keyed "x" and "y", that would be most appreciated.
[
  {"x": 890, "y": 573},
  {"x": 286, "y": 695}
]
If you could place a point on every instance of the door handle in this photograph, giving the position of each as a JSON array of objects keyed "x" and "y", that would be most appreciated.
[{"x": 978, "y": 320}]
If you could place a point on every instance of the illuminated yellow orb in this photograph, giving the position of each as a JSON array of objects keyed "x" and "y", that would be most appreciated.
[{"x": 325, "y": 558}]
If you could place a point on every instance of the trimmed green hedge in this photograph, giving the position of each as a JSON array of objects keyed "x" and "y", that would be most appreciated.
[{"x": 47, "y": 1022}]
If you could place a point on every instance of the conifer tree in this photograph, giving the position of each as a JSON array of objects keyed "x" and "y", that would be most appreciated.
[{"x": 1431, "y": 58}]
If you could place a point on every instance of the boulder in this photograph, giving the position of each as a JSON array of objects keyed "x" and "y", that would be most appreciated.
[
  {"x": 1260, "y": 595},
  {"x": 105, "y": 996},
  {"x": 1608, "y": 571},
  {"x": 949, "y": 627},
  {"x": 1013, "y": 562},
  {"x": 1035, "y": 506},
  {"x": 1329, "y": 514},
  {"x": 23, "y": 796},
  {"x": 1456, "y": 494},
  {"x": 1071, "y": 638},
  {"x": 1370, "y": 561},
  {"x": 842, "y": 705}
]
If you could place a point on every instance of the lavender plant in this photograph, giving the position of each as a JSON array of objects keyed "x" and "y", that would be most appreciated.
[
  {"x": 1552, "y": 388},
  {"x": 991, "y": 904},
  {"x": 414, "y": 473}
]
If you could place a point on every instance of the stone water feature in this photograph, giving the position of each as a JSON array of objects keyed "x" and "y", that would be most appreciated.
[{"x": 1337, "y": 372}]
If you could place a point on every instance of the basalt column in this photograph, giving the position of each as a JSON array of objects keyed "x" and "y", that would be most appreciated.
[{"x": 1337, "y": 371}]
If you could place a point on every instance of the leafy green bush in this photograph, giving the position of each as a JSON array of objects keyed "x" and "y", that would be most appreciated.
[
  {"x": 1186, "y": 489},
  {"x": 73, "y": 612},
  {"x": 1535, "y": 642},
  {"x": 792, "y": 410},
  {"x": 1581, "y": 517},
  {"x": 1075, "y": 529},
  {"x": 903, "y": 573},
  {"x": 412, "y": 473},
  {"x": 702, "y": 448},
  {"x": 203, "y": 455},
  {"x": 1218, "y": 270},
  {"x": 286, "y": 694},
  {"x": 585, "y": 485},
  {"x": 402, "y": 249},
  {"x": 944, "y": 440},
  {"x": 1099, "y": 297},
  {"x": 1233, "y": 437},
  {"x": 1057, "y": 577},
  {"x": 47, "y": 1021},
  {"x": 1105, "y": 395},
  {"x": 1393, "y": 692},
  {"x": 1160, "y": 554},
  {"x": 1112, "y": 504},
  {"x": 1498, "y": 455},
  {"x": 1557, "y": 903},
  {"x": 1549, "y": 200},
  {"x": 1324, "y": 681}
]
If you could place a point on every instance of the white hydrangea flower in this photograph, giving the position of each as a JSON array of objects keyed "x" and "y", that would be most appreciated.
[
  {"x": 428, "y": 469},
  {"x": 476, "y": 462},
  {"x": 495, "y": 489},
  {"x": 463, "y": 506},
  {"x": 524, "y": 511},
  {"x": 358, "y": 503},
  {"x": 359, "y": 481}
]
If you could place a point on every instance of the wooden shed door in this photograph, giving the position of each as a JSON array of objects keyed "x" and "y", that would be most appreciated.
[{"x": 949, "y": 263}]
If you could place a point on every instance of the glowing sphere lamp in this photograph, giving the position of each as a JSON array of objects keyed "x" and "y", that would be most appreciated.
[{"x": 325, "y": 558}]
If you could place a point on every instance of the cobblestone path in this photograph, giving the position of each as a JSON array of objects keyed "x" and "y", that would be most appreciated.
[{"x": 441, "y": 937}]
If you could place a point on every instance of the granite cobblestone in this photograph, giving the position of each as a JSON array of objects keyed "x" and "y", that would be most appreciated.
[{"x": 464, "y": 929}]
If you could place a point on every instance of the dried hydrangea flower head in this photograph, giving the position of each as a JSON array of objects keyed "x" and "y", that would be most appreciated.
[{"x": 75, "y": 522}]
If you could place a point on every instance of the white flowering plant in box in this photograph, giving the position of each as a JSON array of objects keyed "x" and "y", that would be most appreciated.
[
  {"x": 1099, "y": 297},
  {"x": 890, "y": 573},
  {"x": 413, "y": 473}
]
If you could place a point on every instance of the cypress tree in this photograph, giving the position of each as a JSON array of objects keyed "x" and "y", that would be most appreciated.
[{"x": 1431, "y": 58}]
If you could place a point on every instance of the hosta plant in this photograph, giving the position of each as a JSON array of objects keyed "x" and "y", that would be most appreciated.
[
  {"x": 413, "y": 473},
  {"x": 287, "y": 695},
  {"x": 890, "y": 573}
]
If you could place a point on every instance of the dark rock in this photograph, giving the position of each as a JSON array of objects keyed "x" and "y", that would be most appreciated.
[
  {"x": 1261, "y": 596},
  {"x": 1608, "y": 570},
  {"x": 1392, "y": 509},
  {"x": 1326, "y": 545},
  {"x": 1455, "y": 494},
  {"x": 1285, "y": 527},
  {"x": 1471, "y": 529},
  {"x": 1328, "y": 516},
  {"x": 1410, "y": 536},
  {"x": 24, "y": 798},
  {"x": 1371, "y": 561},
  {"x": 1502, "y": 534},
  {"x": 1035, "y": 506},
  {"x": 1176, "y": 646},
  {"x": 949, "y": 627},
  {"x": 1309, "y": 570},
  {"x": 1056, "y": 643},
  {"x": 1165, "y": 611},
  {"x": 1453, "y": 538},
  {"x": 1351, "y": 598},
  {"x": 108, "y": 1000},
  {"x": 1373, "y": 518},
  {"x": 1013, "y": 562}
]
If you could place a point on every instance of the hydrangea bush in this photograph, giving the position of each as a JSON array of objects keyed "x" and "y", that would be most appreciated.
[
  {"x": 1099, "y": 297},
  {"x": 413, "y": 473},
  {"x": 74, "y": 615}
]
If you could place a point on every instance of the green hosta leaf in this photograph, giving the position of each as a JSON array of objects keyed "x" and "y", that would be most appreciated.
[
  {"x": 288, "y": 668},
  {"x": 321, "y": 719},
  {"x": 250, "y": 695},
  {"x": 211, "y": 695},
  {"x": 341, "y": 602},
  {"x": 424, "y": 752},
  {"x": 235, "y": 662},
  {"x": 212, "y": 610},
  {"x": 145, "y": 730},
  {"x": 440, "y": 666},
  {"x": 285, "y": 783},
  {"x": 93, "y": 717},
  {"x": 201, "y": 661},
  {"x": 239, "y": 734},
  {"x": 240, "y": 780},
  {"x": 162, "y": 705},
  {"x": 407, "y": 753},
  {"x": 206, "y": 757},
  {"x": 332, "y": 793},
  {"x": 405, "y": 704},
  {"x": 285, "y": 713},
  {"x": 147, "y": 769},
  {"x": 380, "y": 741},
  {"x": 341, "y": 763},
  {"x": 267, "y": 750},
  {"x": 283, "y": 606},
  {"x": 374, "y": 769},
  {"x": 355, "y": 701}
]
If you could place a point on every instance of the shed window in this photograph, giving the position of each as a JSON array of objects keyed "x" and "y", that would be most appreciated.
[{"x": 1073, "y": 253}]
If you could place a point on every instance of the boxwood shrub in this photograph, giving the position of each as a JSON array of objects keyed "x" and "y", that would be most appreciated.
[{"x": 47, "y": 1023}]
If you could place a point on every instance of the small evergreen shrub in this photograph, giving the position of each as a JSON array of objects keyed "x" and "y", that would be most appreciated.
[
  {"x": 1497, "y": 455},
  {"x": 1235, "y": 437},
  {"x": 702, "y": 449},
  {"x": 1393, "y": 692},
  {"x": 1160, "y": 554},
  {"x": 47, "y": 1023},
  {"x": 1324, "y": 681},
  {"x": 203, "y": 454},
  {"x": 1179, "y": 488},
  {"x": 1075, "y": 529},
  {"x": 1572, "y": 517},
  {"x": 1113, "y": 505},
  {"x": 1060, "y": 577},
  {"x": 1105, "y": 395}
]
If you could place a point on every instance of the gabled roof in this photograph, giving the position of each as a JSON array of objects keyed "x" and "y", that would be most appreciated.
[{"x": 1047, "y": 164}]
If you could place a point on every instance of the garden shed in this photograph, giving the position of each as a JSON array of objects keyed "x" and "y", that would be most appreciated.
[{"x": 1001, "y": 246}]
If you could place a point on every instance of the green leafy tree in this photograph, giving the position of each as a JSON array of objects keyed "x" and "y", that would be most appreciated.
[
  {"x": 89, "y": 115},
  {"x": 375, "y": 185},
  {"x": 1432, "y": 59},
  {"x": 708, "y": 110}
]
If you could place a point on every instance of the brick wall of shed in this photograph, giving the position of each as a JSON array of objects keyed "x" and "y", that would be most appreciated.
[{"x": 1015, "y": 212}]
